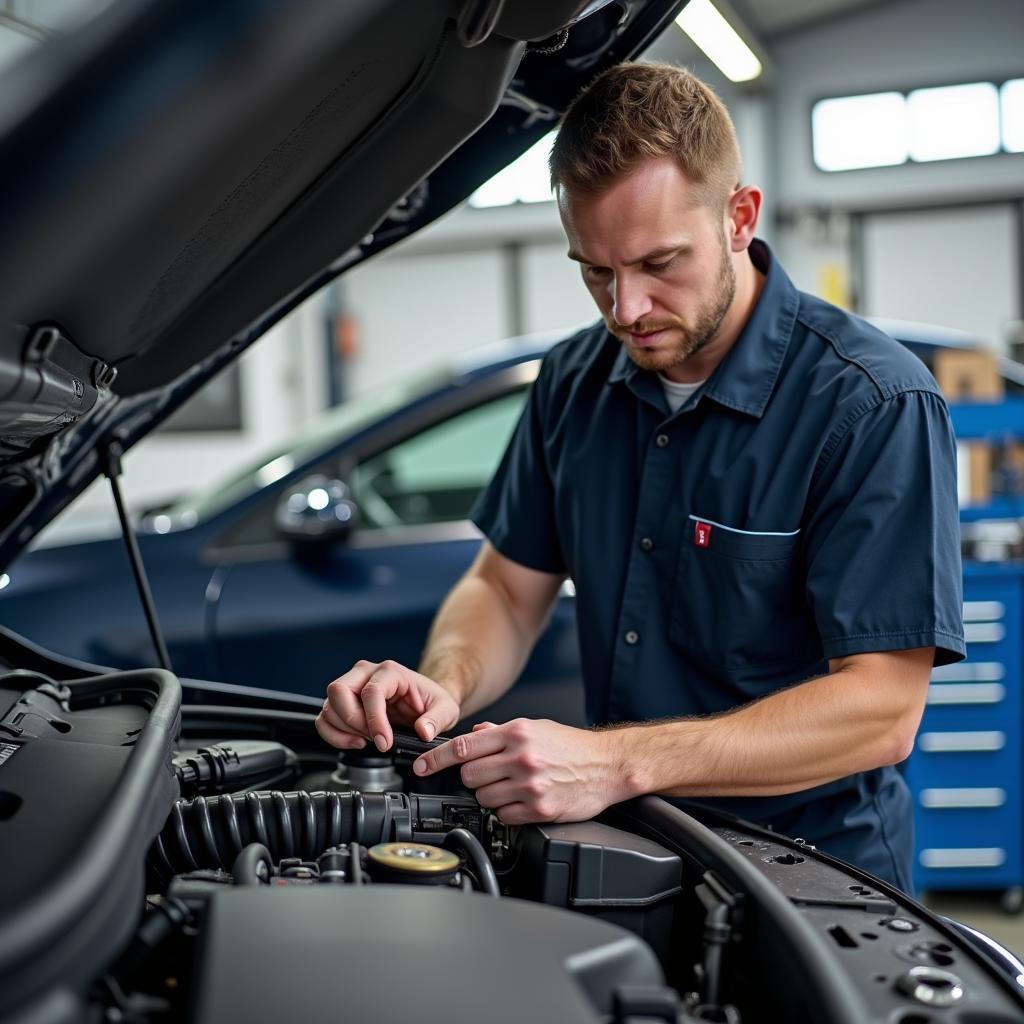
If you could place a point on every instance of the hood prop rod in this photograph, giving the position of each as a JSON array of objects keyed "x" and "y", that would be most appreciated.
[{"x": 110, "y": 457}]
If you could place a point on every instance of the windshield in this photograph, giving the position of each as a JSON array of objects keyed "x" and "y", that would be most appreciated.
[{"x": 323, "y": 432}]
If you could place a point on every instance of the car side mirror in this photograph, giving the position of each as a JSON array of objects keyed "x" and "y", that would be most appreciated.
[{"x": 317, "y": 508}]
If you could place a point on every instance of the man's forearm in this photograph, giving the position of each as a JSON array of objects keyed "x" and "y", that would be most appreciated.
[
  {"x": 801, "y": 737},
  {"x": 477, "y": 645}
]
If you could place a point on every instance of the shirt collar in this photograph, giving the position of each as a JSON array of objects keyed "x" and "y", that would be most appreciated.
[{"x": 746, "y": 377}]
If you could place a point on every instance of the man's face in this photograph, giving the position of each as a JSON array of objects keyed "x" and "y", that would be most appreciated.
[{"x": 655, "y": 260}]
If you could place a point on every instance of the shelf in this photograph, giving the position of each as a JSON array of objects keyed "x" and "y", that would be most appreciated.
[
  {"x": 997, "y": 508},
  {"x": 988, "y": 421}
]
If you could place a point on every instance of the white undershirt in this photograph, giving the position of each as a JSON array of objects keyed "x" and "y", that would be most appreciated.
[{"x": 677, "y": 394}]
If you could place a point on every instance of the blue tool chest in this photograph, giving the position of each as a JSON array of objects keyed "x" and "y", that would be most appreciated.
[{"x": 965, "y": 772}]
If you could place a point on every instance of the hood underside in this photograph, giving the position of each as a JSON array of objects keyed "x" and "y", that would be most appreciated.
[{"x": 175, "y": 175}]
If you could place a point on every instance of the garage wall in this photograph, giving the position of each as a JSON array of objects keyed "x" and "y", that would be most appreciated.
[
  {"x": 969, "y": 280},
  {"x": 900, "y": 44},
  {"x": 554, "y": 295},
  {"x": 478, "y": 277},
  {"x": 413, "y": 310}
]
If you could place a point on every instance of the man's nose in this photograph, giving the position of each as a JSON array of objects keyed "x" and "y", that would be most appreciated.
[{"x": 630, "y": 300}]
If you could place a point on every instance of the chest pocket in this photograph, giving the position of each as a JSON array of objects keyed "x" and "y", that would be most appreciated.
[{"x": 739, "y": 599}]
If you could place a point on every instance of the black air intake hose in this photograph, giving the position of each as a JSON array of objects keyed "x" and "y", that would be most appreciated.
[
  {"x": 236, "y": 766},
  {"x": 210, "y": 832}
]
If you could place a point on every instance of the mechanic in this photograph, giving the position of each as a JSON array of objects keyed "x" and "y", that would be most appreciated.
[{"x": 754, "y": 493}]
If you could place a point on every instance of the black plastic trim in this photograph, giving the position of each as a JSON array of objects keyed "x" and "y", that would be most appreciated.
[
  {"x": 62, "y": 937},
  {"x": 830, "y": 994}
]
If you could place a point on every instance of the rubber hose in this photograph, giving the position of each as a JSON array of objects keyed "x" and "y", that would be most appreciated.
[
  {"x": 210, "y": 832},
  {"x": 248, "y": 864},
  {"x": 464, "y": 841}
]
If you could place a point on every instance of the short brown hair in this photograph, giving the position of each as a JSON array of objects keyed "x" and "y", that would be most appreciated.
[{"x": 635, "y": 112}]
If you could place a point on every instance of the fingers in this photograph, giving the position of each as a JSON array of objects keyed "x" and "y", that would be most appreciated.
[
  {"x": 386, "y": 683},
  {"x": 426, "y": 727},
  {"x": 333, "y": 731},
  {"x": 439, "y": 713},
  {"x": 532, "y": 794},
  {"x": 460, "y": 749},
  {"x": 484, "y": 772},
  {"x": 516, "y": 814},
  {"x": 371, "y": 695},
  {"x": 331, "y": 717},
  {"x": 483, "y": 725},
  {"x": 343, "y": 699}
]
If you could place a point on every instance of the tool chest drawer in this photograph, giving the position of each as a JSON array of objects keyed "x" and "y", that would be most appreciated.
[
  {"x": 965, "y": 771},
  {"x": 967, "y": 837}
]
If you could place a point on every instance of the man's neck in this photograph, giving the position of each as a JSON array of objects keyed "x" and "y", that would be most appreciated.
[{"x": 700, "y": 366}]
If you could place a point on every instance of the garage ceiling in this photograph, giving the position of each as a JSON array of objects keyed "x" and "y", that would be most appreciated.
[{"x": 768, "y": 18}]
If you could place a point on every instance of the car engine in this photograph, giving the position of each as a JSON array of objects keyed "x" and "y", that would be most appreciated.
[
  {"x": 322, "y": 883},
  {"x": 212, "y": 860}
]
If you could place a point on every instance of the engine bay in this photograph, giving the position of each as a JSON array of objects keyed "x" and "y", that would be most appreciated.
[{"x": 214, "y": 861}]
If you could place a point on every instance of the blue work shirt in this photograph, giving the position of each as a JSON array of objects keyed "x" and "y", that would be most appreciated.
[{"x": 800, "y": 506}]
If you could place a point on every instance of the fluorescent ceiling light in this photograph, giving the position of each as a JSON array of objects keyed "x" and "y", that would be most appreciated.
[
  {"x": 703, "y": 23},
  {"x": 1013, "y": 116},
  {"x": 953, "y": 121},
  {"x": 526, "y": 180},
  {"x": 860, "y": 131}
]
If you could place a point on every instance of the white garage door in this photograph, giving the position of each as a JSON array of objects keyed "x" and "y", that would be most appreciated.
[{"x": 957, "y": 267}]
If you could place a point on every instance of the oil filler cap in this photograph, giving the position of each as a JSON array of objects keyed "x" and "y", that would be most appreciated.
[{"x": 419, "y": 863}]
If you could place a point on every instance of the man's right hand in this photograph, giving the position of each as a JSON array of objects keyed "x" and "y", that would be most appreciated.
[{"x": 363, "y": 703}]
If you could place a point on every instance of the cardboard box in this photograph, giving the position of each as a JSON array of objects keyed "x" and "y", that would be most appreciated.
[
  {"x": 971, "y": 374},
  {"x": 980, "y": 462}
]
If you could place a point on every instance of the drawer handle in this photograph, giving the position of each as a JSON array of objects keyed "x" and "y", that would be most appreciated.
[
  {"x": 984, "y": 632},
  {"x": 960, "y": 742},
  {"x": 983, "y": 611},
  {"x": 970, "y": 672},
  {"x": 979, "y": 857},
  {"x": 966, "y": 693},
  {"x": 956, "y": 798}
]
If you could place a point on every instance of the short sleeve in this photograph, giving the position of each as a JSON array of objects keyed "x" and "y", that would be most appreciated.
[
  {"x": 882, "y": 541},
  {"x": 516, "y": 511}
]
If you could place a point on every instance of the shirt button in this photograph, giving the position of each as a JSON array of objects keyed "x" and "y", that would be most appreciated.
[
  {"x": 646, "y": 544},
  {"x": 632, "y": 637},
  {"x": 661, "y": 440}
]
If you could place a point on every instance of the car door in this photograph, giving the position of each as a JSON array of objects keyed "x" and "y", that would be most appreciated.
[{"x": 294, "y": 616}]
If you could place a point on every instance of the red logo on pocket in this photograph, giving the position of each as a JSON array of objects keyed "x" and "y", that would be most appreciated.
[{"x": 702, "y": 535}]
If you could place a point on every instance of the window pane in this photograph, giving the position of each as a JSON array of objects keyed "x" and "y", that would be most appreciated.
[
  {"x": 435, "y": 476},
  {"x": 1013, "y": 116},
  {"x": 954, "y": 121},
  {"x": 860, "y": 131}
]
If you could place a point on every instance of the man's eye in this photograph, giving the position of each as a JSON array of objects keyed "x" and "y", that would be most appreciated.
[
  {"x": 595, "y": 271},
  {"x": 655, "y": 267}
]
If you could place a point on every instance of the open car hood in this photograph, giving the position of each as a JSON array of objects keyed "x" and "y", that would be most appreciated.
[{"x": 176, "y": 175}]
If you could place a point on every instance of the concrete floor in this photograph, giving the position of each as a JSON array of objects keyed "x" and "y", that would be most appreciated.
[{"x": 981, "y": 910}]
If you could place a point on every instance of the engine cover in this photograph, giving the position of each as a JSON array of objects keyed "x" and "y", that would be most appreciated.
[{"x": 272, "y": 954}]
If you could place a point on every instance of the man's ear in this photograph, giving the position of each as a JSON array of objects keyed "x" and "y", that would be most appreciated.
[{"x": 742, "y": 211}]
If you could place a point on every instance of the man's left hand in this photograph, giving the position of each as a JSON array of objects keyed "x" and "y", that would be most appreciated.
[{"x": 528, "y": 770}]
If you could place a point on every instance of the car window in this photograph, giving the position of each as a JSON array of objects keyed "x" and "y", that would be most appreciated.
[
  {"x": 330, "y": 426},
  {"x": 435, "y": 475}
]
